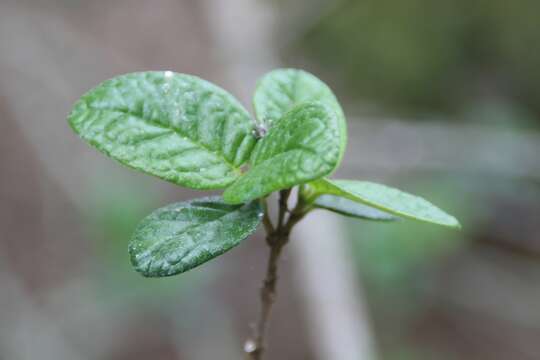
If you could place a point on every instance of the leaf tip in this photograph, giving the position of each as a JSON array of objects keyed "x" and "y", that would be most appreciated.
[
  {"x": 454, "y": 223},
  {"x": 448, "y": 221}
]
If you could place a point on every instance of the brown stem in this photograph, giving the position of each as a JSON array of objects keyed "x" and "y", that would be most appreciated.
[
  {"x": 255, "y": 348},
  {"x": 276, "y": 239}
]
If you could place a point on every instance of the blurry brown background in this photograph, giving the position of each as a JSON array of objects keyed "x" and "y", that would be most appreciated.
[{"x": 442, "y": 99}]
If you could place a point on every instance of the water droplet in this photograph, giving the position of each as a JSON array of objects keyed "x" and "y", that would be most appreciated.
[
  {"x": 250, "y": 346},
  {"x": 168, "y": 74}
]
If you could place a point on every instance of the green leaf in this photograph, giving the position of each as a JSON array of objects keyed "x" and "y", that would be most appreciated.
[
  {"x": 283, "y": 89},
  {"x": 351, "y": 208},
  {"x": 177, "y": 127},
  {"x": 303, "y": 145},
  {"x": 386, "y": 199},
  {"x": 181, "y": 236}
]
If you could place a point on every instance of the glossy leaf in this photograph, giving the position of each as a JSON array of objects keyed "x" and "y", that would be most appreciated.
[
  {"x": 178, "y": 127},
  {"x": 283, "y": 89},
  {"x": 181, "y": 236},
  {"x": 386, "y": 199},
  {"x": 304, "y": 145},
  {"x": 351, "y": 208}
]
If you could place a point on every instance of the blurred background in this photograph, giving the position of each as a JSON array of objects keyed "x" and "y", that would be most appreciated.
[{"x": 442, "y": 100}]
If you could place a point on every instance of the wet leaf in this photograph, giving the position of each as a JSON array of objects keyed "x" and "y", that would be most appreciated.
[
  {"x": 177, "y": 127},
  {"x": 181, "y": 236},
  {"x": 304, "y": 145}
]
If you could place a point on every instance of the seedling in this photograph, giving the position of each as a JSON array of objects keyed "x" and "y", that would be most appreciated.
[{"x": 192, "y": 133}]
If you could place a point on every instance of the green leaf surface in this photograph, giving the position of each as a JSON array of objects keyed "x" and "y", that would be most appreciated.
[
  {"x": 183, "y": 235},
  {"x": 386, "y": 199},
  {"x": 303, "y": 145},
  {"x": 351, "y": 208},
  {"x": 280, "y": 90},
  {"x": 177, "y": 127}
]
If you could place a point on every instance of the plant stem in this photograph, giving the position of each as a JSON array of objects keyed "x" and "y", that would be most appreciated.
[
  {"x": 268, "y": 295},
  {"x": 276, "y": 238}
]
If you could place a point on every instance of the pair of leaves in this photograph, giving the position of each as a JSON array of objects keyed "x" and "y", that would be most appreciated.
[
  {"x": 306, "y": 137},
  {"x": 302, "y": 146},
  {"x": 190, "y": 132}
]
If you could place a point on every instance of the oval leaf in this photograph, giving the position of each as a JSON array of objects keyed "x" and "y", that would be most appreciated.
[
  {"x": 302, "y": 146},
  {"x": 386, "y": 199},
  {"x": 351, "y": 208},
  {"x": 181, "y": 236},
  {"x": 177, "y": 127},
  {"x": 283, "y": 89}
]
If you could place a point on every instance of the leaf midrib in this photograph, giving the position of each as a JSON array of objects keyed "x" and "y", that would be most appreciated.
[
  {"x": 301, "y": 149},
  {"x": 162, "y": 126}
]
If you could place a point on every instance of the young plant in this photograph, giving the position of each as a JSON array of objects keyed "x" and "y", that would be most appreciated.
[{"x": 190, "y": 132}]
